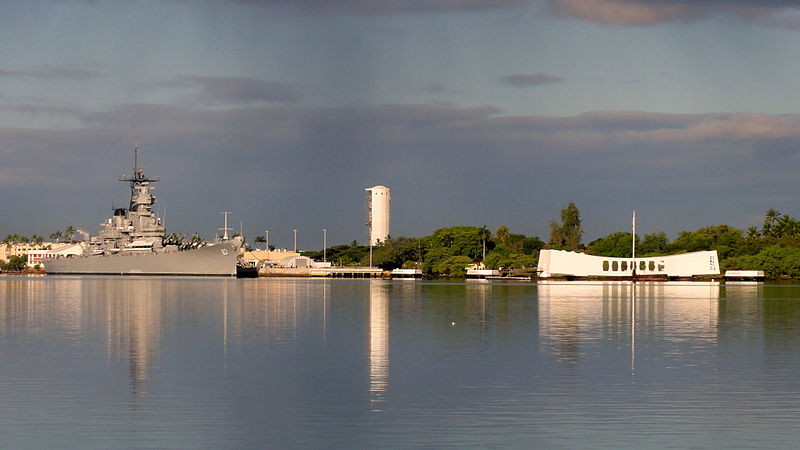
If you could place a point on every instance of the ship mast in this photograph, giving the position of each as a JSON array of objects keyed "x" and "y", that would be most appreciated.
[
  {"x": 225, "y": 228},
  {"x": 138, "y": 177}
]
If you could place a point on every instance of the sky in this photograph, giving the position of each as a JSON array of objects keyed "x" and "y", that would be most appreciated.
[{"x": 474, "y": 112}]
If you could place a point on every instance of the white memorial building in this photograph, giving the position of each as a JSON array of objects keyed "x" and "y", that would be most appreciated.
[{"x": 559, "y": 263}]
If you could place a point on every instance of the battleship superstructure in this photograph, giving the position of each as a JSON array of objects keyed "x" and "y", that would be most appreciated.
[{"x": 133, "y": 242}]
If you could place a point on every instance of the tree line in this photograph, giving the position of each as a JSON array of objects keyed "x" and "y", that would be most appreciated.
[
  {"x": 67, "y": 235},
  {"x": 445, "y": 252},
  {"x": 773, "y": 248}
]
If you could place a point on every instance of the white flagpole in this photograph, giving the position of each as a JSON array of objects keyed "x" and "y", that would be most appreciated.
[{"x": 633, "y": 238}]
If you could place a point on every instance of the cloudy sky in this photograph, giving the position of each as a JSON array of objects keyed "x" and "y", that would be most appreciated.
[{"x": 496, "y": 112}]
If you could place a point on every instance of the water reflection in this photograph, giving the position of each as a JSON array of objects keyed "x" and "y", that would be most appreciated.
[
  {"x": 165, "y": 363},
  {"x": 133, "y": 323},
  {"x": 575, "y": 315},
  {"x": 378, "y": 340},
  {"x": 127, "y": 314}
]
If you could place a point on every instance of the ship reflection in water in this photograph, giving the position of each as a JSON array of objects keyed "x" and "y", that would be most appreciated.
[{"x": 286, "y": 363}]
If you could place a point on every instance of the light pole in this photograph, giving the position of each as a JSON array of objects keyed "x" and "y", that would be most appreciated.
[
  {"x": 266, "y": 245},
  {"x": 295, "y": 240},
  {"x": 324, "y": 244}
]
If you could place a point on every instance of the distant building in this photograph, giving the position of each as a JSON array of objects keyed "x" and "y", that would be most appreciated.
[
  {"x": 379, "y": 200},
  {"x": 267, "y": 258},
  {"x": 36, "y": 253}
]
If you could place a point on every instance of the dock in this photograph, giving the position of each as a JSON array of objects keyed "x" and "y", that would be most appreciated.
[
  {"x": 744, "y": 275},
  {"x": 324, "y": 272}
]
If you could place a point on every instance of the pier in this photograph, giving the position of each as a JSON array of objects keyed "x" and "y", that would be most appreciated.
[{"x": 326, "y": 272}]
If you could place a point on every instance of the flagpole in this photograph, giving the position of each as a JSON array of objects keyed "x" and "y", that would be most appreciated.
[{"x": 633, "y": 238}]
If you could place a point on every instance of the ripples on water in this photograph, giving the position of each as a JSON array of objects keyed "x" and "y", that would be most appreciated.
[{"x": 176, "y": 362}]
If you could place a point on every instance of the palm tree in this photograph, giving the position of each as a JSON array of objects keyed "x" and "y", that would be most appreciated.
[
  {"x": 784, "y": 225},
  {"x": 69, "y": 232},
  {"x": 752, "y": 233},
  {"x": 770, "y": 218},
  {"x": 502, "y": 234},
  {"x": 56, "y": 236},
  {"x": 483, "y": 235}
]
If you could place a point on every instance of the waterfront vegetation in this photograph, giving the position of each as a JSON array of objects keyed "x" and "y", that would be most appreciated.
[
  {"x": 14, "y": 264},
  {"x": 774, "y": 248}
]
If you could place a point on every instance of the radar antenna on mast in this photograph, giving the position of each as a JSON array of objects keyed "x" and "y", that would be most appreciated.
[
  {"x": 225, "y": 228},
  {"x": 138, "y": 179}
]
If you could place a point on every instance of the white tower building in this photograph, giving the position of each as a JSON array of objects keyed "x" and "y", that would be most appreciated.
[{"x": 379, "y": 200}]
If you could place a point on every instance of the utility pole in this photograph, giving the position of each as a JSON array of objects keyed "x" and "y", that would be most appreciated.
[
  {"x": 266, "y": 245},
  {"x": 324, "y": 244},
  {"x": 295, "y": 240}
]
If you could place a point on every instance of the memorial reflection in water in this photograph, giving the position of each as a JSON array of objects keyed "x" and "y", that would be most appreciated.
[
  {"x": 578, "y": 313},
  {"x": 193, "y": 362}
]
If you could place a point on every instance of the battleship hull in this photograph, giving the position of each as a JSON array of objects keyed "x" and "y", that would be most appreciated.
[{"x": 213, "y": 260}]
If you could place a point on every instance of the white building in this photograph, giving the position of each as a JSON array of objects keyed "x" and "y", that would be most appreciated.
[
  {"x": 379, "y": 200},
  {"x": 580, "y": 265}
]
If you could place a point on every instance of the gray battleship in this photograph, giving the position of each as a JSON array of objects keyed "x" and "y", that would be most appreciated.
[{"x": 133, "y": 242}]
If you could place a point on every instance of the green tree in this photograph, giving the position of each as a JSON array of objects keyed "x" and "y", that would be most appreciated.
[
  {"x": 56, "y": 236},
  {"x": 723, "y": 238},
  {"x": 502, "y": 234},
  {"x": 532, "y": 245},
  {"x": 568, "y": 234},
  {"x": 653, "y": 244},
  {"x": 69, "y": 233},
  {"x": 483, "y": 235},
  {"x": 16, "y": 263},
  {"x": 617, "y": 245},
  {"x": 394, "y": 252},
  {"x": 770, "y": 219}
]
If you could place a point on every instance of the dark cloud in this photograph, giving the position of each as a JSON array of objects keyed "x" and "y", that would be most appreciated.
[
  {"x": 292, "y": 166},
  {"x": 214, "y": 91},
  {"x": 36, "y": 110},
  {"x": 434, "y": 88},
  {"x": 650, "y": 12},
  {"x": 51, "y": 73},
  {"x": 370, "y": 7},
  {"x": 527, "y": 80}
]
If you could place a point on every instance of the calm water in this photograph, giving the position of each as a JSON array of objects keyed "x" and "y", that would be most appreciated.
[{"x": 216, "y": 363}]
